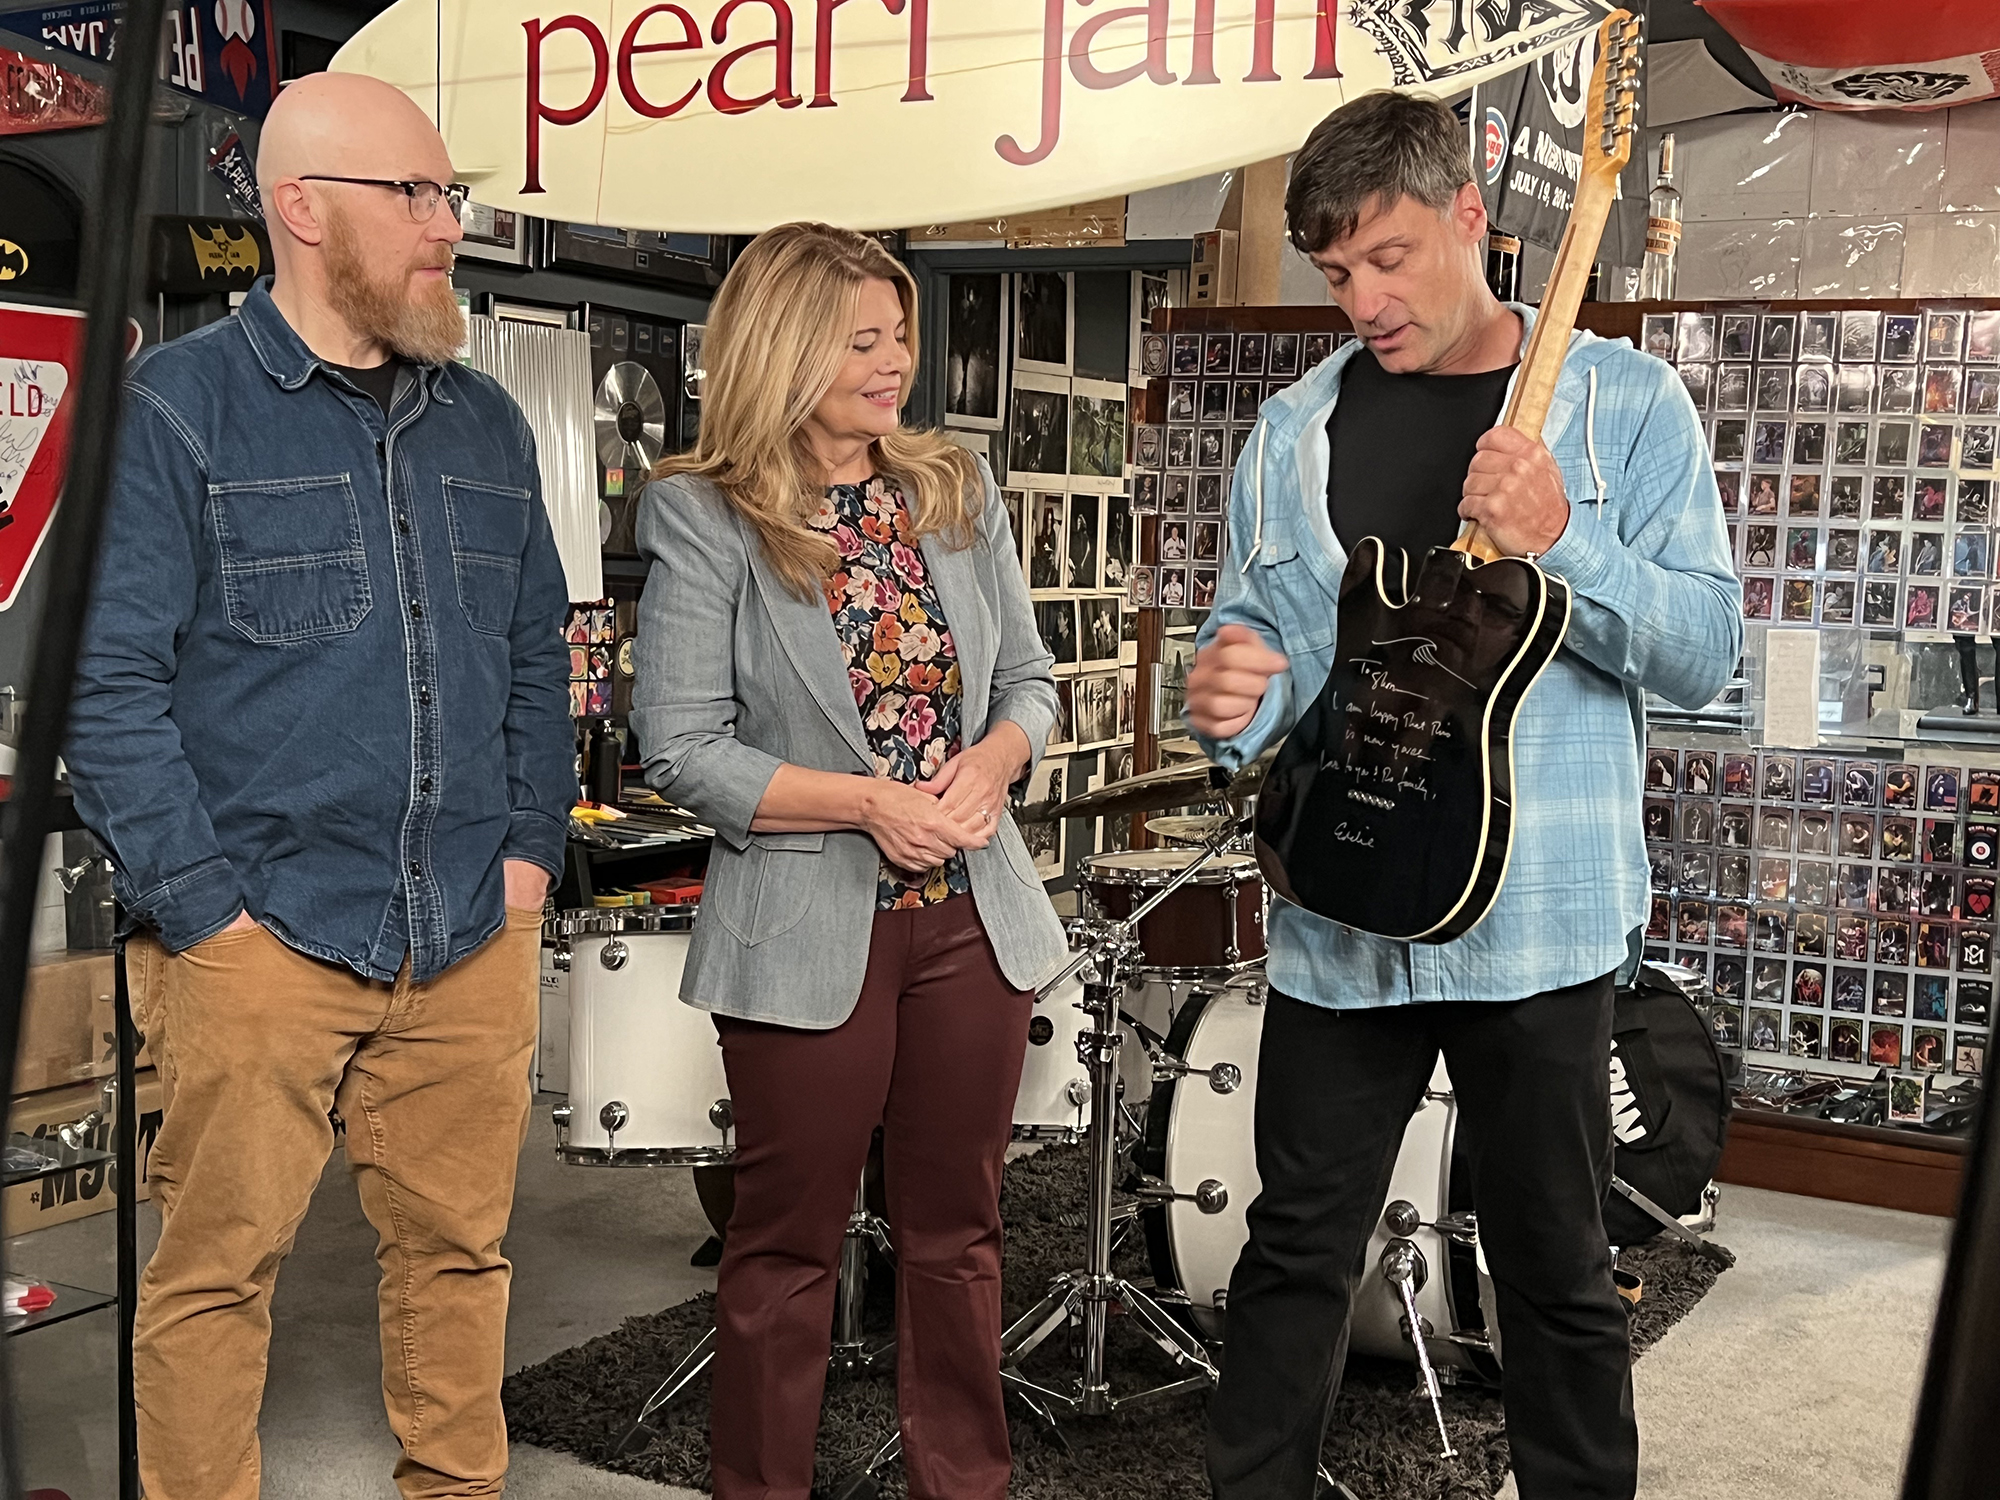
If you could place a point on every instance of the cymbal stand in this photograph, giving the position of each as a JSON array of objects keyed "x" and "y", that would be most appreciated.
[
  {"x": 1090, "y": 1295},
  {"x": 849, "y": 1355}
]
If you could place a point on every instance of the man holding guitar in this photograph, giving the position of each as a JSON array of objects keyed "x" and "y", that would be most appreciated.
[{"x": 1395, "y": 437}]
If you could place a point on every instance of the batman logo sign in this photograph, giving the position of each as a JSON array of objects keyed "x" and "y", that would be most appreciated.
[
  {"x": 225, "y": 252},
  {"x": 13, "y": 261}
]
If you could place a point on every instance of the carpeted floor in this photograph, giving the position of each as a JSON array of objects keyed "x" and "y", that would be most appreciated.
[{"x": 1382, "y": 1442}]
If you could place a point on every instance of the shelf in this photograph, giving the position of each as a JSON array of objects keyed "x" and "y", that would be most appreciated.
[
  {"x": 1902, "y": 1169},
  {"x": 57, "y": 1159},
  {"x": 71, "y": 1302}
]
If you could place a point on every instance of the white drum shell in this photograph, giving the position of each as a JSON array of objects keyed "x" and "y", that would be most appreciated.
[
  {"x": 1053, "y": 1103},
  {"x": 632, "y": 1042},
  {"x": 1210, "y": 1138}
]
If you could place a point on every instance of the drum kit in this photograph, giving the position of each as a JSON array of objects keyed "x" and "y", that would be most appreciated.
[{"x": 1168, "y": 955}]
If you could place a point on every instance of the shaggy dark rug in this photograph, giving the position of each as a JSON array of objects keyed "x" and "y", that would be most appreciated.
[{"x": 1382, "y": 1442}]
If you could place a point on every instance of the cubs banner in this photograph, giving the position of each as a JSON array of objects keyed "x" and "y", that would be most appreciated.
[
  {"x": 222, "y": 52},
  {"x": 1528, "y": 150},
  {"x": 1870, "y": 54},
  {"x": 729, "y": 116}
]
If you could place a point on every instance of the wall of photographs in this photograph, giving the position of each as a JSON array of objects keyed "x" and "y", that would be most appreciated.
[
  {"x": 1215, "y": 383},
  {"x": 1058, "y": 437},
  {"x": 1855, "y": 453},
  {"x": 1841, "y": 909}
]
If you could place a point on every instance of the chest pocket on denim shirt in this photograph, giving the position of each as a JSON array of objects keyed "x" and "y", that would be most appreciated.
[
  {"x": 1302, "y": 606},
  {"x": 489, "y": 530},
  {"x": 293, "y": 568}
]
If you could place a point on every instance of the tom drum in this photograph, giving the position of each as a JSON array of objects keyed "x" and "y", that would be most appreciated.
[{"x": 1213, "y": 924}]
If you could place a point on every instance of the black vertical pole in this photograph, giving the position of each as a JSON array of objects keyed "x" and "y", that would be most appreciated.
[
  {"x": 1955, "y": 1450},
  {"x": 113, "y": 235},
  {"x": 125, "y": 1144}
]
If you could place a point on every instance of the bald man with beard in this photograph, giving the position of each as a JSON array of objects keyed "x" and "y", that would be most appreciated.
[{"x": 322, "y": 726}]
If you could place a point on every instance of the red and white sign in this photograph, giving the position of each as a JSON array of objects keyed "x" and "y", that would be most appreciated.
[
  {"x": 1870, "y": 54},
  {"x": 41, "y": 353}
]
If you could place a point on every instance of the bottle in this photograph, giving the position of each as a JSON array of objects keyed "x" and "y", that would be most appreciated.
[
  {"x": 1663, "y": 231},
  {"x": 1503, "y": 266}
]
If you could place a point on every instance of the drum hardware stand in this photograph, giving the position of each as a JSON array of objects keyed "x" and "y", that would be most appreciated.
[
  {"x": 1403, "y": 1267},
  {"x": 1090, "y": 1295},
  {"x": 1707, "y": 1249},
  {"x": 849, "y": 1354}
]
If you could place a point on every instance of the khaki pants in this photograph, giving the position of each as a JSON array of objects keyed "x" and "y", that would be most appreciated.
[{"x": 257, "y": 1045}]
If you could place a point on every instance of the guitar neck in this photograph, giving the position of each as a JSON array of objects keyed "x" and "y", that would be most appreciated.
[{"x": 1535, "y": 387}]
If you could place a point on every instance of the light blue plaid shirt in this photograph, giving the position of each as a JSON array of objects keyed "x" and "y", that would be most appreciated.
[{"x": 1657, "y": 606}]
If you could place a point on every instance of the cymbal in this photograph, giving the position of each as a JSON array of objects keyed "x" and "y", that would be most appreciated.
[
  {"x": 1187, "y": 785},
  {"x": 1197, "y": 829}
]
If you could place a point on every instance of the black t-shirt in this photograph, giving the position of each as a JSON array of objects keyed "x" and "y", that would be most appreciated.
[
  {"x": 378, "y": 381},
  {"x": 1401, "y": 448}
]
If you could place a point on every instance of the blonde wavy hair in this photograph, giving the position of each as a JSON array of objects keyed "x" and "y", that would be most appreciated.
[{"x": 778, "y": 333}]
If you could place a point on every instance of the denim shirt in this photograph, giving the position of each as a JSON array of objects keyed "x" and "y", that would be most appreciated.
[
  {"x": 323, "y": 677},
  {"x": 1655, "y": 606}
]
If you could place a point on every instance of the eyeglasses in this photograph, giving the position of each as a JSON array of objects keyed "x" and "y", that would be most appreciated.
[{"x": 423, "y": 197}]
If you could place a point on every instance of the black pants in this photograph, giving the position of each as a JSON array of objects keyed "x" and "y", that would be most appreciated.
[{"x": 1334, "y": 1092}]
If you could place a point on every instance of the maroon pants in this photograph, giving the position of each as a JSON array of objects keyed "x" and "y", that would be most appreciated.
[{"x": 932, "y": 1053}]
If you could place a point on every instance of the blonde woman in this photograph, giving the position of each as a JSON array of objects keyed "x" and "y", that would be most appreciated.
[{"x": 838, "y": 670}]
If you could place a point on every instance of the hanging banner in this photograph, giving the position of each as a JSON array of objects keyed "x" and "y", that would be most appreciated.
[
  {"x": 223, "y": 52},
  {"x": 729, "y": 116},
  {"x": 1528, "y": 152},
  {"x": 1869, "y": 54}
]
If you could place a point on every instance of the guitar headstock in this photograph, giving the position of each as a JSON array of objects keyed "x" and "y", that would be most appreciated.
[{"x": 1614, "y": 89}]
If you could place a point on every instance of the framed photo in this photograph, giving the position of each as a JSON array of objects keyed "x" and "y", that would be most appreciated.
[
  {"x": 1767, "y": 441},
  {"x": 1892, "y": 445},
  {"x": 497, "y": 234},
  {"x": 1207, "y": 541},
  {"x": 1774, "y": 388},
  {"x": 1899, "y": 338},
  {"x": 1697, "y": 378},
  {"x": 1850, "y": 443},
  {"x": 1730, "y": 439},
  {"x": 1098, "y": 630},
  {"x": 1056, "y": 620},
  {"x": 1819, "y": 334},
  {"x": 1858, "y": 336},
  {"x": 1976, "y": 446},
  {"x": 1045, "y": 839},
  {"x": 1778, "y": 337},
  {"x": 1920, "y": 607},
  {"x": 1218, "y": 354},
  {"x": 1208, "y": 494},
  {"x": 1097, "y": 435},
  {"x": 1944, "y": 336},
  {"x": 975, "y": 379},
  {"x": 1180, "y": 448},
  {"x": 1656, "y": 336},
  {"x": 1185, "y": 355},
  {"x": 1182, "y": 399},
  {"x": 1854, "y": 388},
  {"x": 1048, "y": 540},
  {"x": 1283, "y": 360},
  {"x": 1096, "y": 697},
  {"x": 1120, "y": 536},
  {"x": 1737, "y": 338},
  {"x": 1176, "y": 494},
  {"x": 1941, "y": 386},
  {"x": 1813, "y": 388},
  {"x": 1174, "y": 541},
  {"x": 1732, "y": 388},
  {"x": 1211, "y": 445},
  {"x": 1896, "y": 389},
  {"x": 1252, "y": 352},
  {"x": 1808, "y": 444},
  {"x": 1044, "y": 322},
  {"x": 1173, "y": 586},
  {"x": 1934, "y": 441},
  {"x": 1153, "y": 359},
  {"x": 1202, "y": 595},
  {"x": 1982, "y": 393},
  {"x": 1149, "y": 447},
  {"x": 1694, "y": 336},
  {"x": 1314, "y": 349},
  {"x": 1038, "y": 444},
  {"x": 1140, "y": 588},
  {"x": 1982, "y": 337},
  {"x": 1084, "y": 565}
]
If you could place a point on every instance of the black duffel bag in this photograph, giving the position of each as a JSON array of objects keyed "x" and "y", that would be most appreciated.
[{"x": 1669, "y": 1101}]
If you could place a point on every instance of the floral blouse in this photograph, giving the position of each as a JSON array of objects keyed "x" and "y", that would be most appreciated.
[{"x": 900, "y": 659}]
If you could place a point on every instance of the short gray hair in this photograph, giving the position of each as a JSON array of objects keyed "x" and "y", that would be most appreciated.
[{"x": 1382, "y": 146}]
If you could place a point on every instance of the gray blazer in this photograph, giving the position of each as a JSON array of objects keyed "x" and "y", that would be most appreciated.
[{"x": 735, "y": 674}]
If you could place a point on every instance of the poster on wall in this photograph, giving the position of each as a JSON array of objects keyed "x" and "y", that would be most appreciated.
[
  {"x": 1528, "y": 151},
  {"x": 222, "y": 52},
  {"x": 1038, "y": 435}
]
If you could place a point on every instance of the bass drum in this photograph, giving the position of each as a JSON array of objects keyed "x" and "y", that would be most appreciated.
[{"x": 1196, "y": 1135}]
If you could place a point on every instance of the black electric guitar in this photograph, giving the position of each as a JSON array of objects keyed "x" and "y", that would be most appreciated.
[{"x": 1390, "y": 806}]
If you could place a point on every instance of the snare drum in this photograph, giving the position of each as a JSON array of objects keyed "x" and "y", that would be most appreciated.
[
  {"x": 1213, "y": 924},
  {"x": 1199, "y": 1141},
  {"x": 646, "y": 1086}
]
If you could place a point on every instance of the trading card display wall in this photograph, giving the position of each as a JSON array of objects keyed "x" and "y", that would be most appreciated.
[
  {"x": 1855, "y": 453},
  {"x": 1840, "y": 909},
  {"x": 1215, "y": 383}
]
